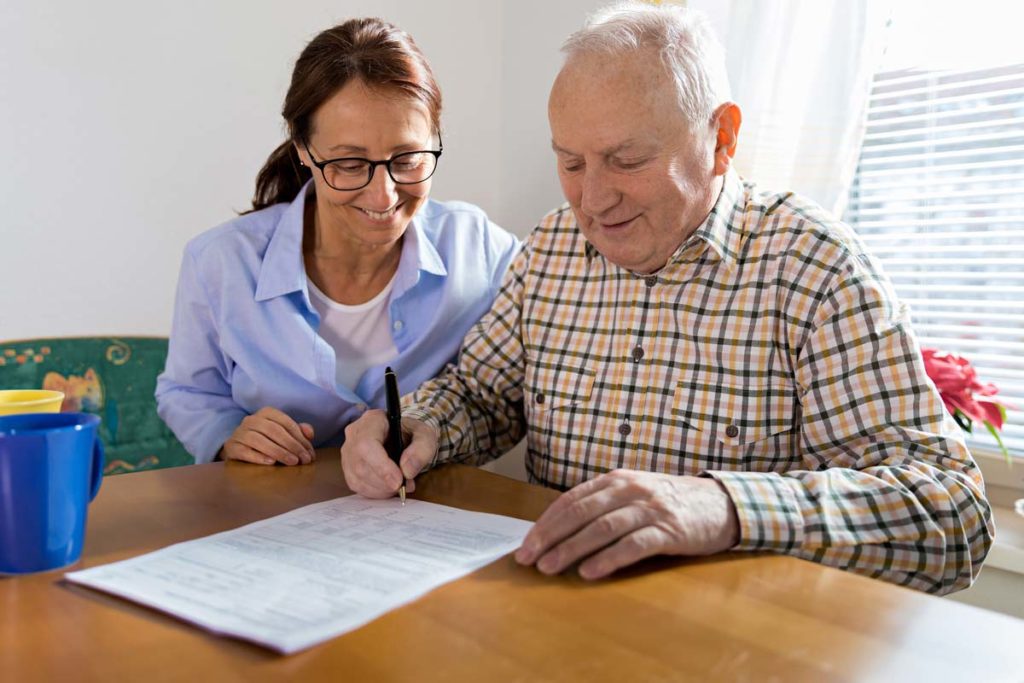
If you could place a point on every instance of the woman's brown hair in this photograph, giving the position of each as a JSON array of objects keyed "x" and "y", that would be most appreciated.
[{"x": 371, "y": 50}]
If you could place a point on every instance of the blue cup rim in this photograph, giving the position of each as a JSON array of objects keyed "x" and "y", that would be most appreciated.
[{"x": 36, "y": 423}]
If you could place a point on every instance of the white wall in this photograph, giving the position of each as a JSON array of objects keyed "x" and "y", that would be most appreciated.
[{"x": 128, "y": 127}]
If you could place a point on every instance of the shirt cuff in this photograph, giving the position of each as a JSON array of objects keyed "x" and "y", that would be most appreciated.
[
  {"x": 767, "y": 509},
  {"x": 209, "y": 441}
]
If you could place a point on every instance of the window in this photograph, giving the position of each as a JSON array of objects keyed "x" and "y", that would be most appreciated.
[{"x": 939, "y": 199}]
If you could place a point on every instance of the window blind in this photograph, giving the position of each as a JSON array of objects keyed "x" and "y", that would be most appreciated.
[{"x": 939, "y": 198}]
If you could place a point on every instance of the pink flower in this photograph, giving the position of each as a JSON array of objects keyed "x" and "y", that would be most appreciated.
[{"x": 965, "y": 397}]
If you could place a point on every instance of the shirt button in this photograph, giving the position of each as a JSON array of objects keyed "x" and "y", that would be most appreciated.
[
  {"x": 361, "y": 407},
  {"x": 625, "y": 429},
  {"x": 539, "y": 398},
  {"x": 651, "y": 280},
  {"x": 732, "y": 431},
  {"x": 397, "y": 325},
  {"x": 638, "y": 353}
]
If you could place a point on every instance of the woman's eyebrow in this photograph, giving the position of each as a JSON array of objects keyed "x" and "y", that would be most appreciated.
[{"x": 356, "y": 149}]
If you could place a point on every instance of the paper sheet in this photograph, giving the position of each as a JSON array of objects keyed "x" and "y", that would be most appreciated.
[{"x": 292, "y": 581}]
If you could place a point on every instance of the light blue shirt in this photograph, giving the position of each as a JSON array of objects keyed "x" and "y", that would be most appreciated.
[{"x": 244, "y": 334}]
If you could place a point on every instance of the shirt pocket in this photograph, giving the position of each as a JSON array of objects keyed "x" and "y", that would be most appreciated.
[
  {"x": 551, "y": 388},
  {"x": 732, "y": 425},
  {"x": 559, "y": 410}
]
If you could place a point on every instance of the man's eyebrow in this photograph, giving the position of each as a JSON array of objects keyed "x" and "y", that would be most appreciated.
[
  {"x": 561, "y": 150},
  {"x": 615, "y": 149}
]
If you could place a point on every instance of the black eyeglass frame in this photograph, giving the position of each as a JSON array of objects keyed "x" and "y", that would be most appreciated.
[{"x": 386, "y": 163}]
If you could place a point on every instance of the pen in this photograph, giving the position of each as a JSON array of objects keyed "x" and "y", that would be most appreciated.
[{"x": 393, "y": 443}]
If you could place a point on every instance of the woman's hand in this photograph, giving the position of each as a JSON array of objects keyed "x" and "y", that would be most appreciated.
[{"x": 268, "y": 436}]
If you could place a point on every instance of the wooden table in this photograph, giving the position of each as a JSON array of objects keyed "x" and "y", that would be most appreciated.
[{"x": 735, "y": 617}]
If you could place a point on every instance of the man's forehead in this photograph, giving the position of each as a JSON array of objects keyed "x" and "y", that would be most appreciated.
[
  {"x": 606, "y": 111},
  {"x": 641, "y": 69},
  {"x": 630, "y": 85}
]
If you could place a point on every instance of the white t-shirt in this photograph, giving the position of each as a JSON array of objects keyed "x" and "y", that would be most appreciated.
[{"x": 360, "y": 335}]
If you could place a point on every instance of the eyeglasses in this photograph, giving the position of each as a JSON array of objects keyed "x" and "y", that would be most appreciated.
[{"x": 355, "y": 173}]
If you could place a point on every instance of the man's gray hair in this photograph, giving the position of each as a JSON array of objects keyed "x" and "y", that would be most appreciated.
[{"x": 682, "y": 37}]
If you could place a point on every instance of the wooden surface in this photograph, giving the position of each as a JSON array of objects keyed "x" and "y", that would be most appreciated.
[{"x": 735, "y": 617}]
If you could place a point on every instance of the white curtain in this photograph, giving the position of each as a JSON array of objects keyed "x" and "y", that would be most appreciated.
[{"x": 801, "y": 73}]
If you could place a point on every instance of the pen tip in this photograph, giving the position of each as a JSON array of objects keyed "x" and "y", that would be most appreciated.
[
  {"x": 388, "y": 369},
  {"x": 401, "y": 494}
]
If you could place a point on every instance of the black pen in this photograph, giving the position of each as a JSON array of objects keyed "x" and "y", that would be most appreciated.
[{"x": 393, "y": 444}]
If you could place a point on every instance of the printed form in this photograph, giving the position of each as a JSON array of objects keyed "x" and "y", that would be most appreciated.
[{"x": 295, "y": 580}]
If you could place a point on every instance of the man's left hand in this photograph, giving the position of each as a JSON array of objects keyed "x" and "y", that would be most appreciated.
[{"x": 625, "y": 516}]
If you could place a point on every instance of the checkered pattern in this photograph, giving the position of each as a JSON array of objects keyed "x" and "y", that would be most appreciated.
[{"x": 769, "y": 353}]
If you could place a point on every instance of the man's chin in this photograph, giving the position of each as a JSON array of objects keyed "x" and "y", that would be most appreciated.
[{"x": 619, "y": 256}]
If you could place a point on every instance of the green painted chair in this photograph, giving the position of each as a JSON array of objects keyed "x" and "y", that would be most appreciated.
[{"x": 113, "y": 377}]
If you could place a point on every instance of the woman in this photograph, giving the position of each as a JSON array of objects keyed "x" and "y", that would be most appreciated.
[{"x": 286, "y": 316}]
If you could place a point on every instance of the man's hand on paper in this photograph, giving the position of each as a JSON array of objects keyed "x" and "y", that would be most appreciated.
[
  {"x": 368, "y": 469},
  {"x": 268, "y": 436},
  {"x": 625, "y": 516}
]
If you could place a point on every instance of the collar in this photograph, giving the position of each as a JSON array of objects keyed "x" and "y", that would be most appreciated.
[
  {"x": 419, "y": 255},
  {"x": 722, "y": 230},
  {"x": 418, "y": 249},
  {"x": 283, "y": 271}
]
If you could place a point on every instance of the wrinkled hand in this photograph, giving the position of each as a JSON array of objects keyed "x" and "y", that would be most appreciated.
[
  {"x": 268, "y": 436},
  {"x": 625, "y": 516},
  {"x": 368, "y": 469}
]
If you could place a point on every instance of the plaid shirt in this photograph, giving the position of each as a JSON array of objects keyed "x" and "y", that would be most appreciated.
[{"x": 770, "y": 353}]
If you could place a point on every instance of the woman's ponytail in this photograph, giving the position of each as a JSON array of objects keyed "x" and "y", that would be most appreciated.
[{"x": 281, "y": 177}]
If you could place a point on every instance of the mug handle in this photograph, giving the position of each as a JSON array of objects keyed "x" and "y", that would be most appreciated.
[{"x": 97, "y": 468}]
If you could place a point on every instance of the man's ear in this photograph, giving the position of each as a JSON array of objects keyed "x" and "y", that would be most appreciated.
[{"x": 726, "y": 119}]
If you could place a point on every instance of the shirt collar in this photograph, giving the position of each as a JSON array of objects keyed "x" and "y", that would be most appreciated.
[
  {"x": 418, "y": 255},
  {"x": 418, "y": 249},
  {"x": 722, "y": 230},
  {"x": 284, "y": 272}
]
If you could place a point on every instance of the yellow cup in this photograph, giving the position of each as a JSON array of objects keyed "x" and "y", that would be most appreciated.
[{"x": 13, "y": 401}]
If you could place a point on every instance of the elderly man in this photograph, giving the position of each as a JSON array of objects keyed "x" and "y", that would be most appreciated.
[{"x": 702, "y": 366}]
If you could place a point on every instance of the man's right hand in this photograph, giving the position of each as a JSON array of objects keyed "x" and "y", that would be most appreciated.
[
  {"x": 268, "y": 436},
  {"x": 368, "y": 469}
]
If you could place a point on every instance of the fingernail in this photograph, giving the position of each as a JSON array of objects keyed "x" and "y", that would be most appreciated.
[
  {"x": 268, "y": 461},
  {"x": 547, "y": 564}
]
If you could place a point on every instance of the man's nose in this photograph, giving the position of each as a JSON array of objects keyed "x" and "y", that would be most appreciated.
[{"x": 599, "y": 192}]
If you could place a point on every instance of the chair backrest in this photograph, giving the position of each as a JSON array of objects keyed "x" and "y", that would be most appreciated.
[{"x": 113, "y": 377}]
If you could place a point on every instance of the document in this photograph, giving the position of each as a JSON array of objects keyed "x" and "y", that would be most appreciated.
[{"x": 292, "y": 581}]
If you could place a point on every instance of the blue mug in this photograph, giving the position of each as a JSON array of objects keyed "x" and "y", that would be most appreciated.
[{"x": 51, "y": 466}]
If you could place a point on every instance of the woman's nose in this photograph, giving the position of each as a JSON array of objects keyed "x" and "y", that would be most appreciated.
[{"x": 381, "y": 192}]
